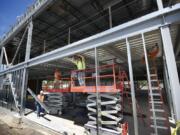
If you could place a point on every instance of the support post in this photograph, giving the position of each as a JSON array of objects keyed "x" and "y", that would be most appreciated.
[
  {"x": 110, "y": 17},
  {"x": 5, "y": 55},
  {"x": 168, "y": 88},
  {"x": 25, "y": 71},
  {"x": 98, "y": 98},
  {"x": 172, "y": 69},
  {"x": 132, "y": 88},
  {"x": 29, "y": 41},
  {"x": 19, "y": 45},
  {"x": 1, "y": 58},
  {"x": 159, "y": 4}
]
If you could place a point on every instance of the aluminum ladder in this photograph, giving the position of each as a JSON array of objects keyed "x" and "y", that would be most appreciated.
[{"x": 159, "y": 121}]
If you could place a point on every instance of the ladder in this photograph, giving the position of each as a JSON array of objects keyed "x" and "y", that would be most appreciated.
[{"x": 158, "y": 118}]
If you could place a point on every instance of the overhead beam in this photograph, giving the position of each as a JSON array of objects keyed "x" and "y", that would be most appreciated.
[{"x": 145, "y": 23}]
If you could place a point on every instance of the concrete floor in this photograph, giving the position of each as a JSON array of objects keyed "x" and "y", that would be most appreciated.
[
  {"x": 58, "y": 124},
  {"x": 73, "y": 119},
  {"x": 9, "y": 125}
]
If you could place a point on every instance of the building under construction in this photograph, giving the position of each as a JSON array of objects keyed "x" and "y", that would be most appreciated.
[{"x": 106, "y": 67}]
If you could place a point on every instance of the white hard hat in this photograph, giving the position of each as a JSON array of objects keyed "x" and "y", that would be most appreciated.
[{"x": 41, "y": 92}]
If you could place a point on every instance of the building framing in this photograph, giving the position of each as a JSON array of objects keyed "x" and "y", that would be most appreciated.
[{"x": 157, "y": 20}]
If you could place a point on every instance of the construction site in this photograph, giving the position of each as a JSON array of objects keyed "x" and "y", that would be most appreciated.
[{"x": 95, "y": 67}]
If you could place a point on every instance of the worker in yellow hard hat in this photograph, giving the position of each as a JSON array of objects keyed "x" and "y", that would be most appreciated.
[{"x": 80, "y": 63}]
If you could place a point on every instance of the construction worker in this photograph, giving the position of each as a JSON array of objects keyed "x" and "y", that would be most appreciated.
[
  {"x": 38, "y": 106},
  {"x": 57, "y": 78},
  {"x": 80, "y": 63},
  {"x": 152, "y": 53}
]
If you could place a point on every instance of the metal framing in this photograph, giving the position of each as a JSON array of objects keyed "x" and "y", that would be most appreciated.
[
  {"x": 132, "y": 88},
  {"x": 143, "y": 24},
  {"x": 98, "y": 98},
  {"x": 172, "y": 69},
  {"x": 25, "y": 70},
  {"x": 1, "y": 58},
  {"x": 152, "y": 21}
]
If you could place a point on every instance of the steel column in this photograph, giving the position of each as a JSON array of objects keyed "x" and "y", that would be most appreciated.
[
  {"x": 25, "y": 71},
  {"x": 110, "y": 17},
  {"x": 168, "y": 88},
  {"x": 132, "y": 88},
  {"x": 159, "y": 4},
  {"x": 172, "y": 69},
  {"x": 1, "y": 57},
  {"x": 5, "y": 55},
  {"x": 98, "y": 98},
  {"x": 29, "y": 41}
]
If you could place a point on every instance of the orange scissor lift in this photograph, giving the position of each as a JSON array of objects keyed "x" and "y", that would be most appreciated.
[{"x": 111, "y": 96}]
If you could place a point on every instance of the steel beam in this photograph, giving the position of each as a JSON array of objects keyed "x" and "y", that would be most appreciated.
[
  {"x": 25, "y": 71},
  {"x": 19, "y": 45},
  {"x": 5, "y": 55},
  {"x": 29, "y": 41},
  {"x": 133, "y": 97},
  {"x": 146, "y": 23},
  {"x": 172, "y": 69}
]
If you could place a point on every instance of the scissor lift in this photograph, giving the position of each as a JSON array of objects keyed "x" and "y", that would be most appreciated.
[
  {"x": 110, "y": 89},
  {"x": 111, "y": 96}
]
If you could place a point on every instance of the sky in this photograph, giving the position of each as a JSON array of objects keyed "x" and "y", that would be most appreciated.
[{"x": 9, "y": 11}]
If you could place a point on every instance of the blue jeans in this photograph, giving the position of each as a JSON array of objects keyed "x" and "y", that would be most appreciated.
[
  {"x": 81, "y": 78},
  {"x": 39, "y": 109},
  {"x": 80, "y": 75}
]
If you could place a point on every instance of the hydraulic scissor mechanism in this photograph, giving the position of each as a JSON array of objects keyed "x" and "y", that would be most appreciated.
[{"x": 111, "y": 110}]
